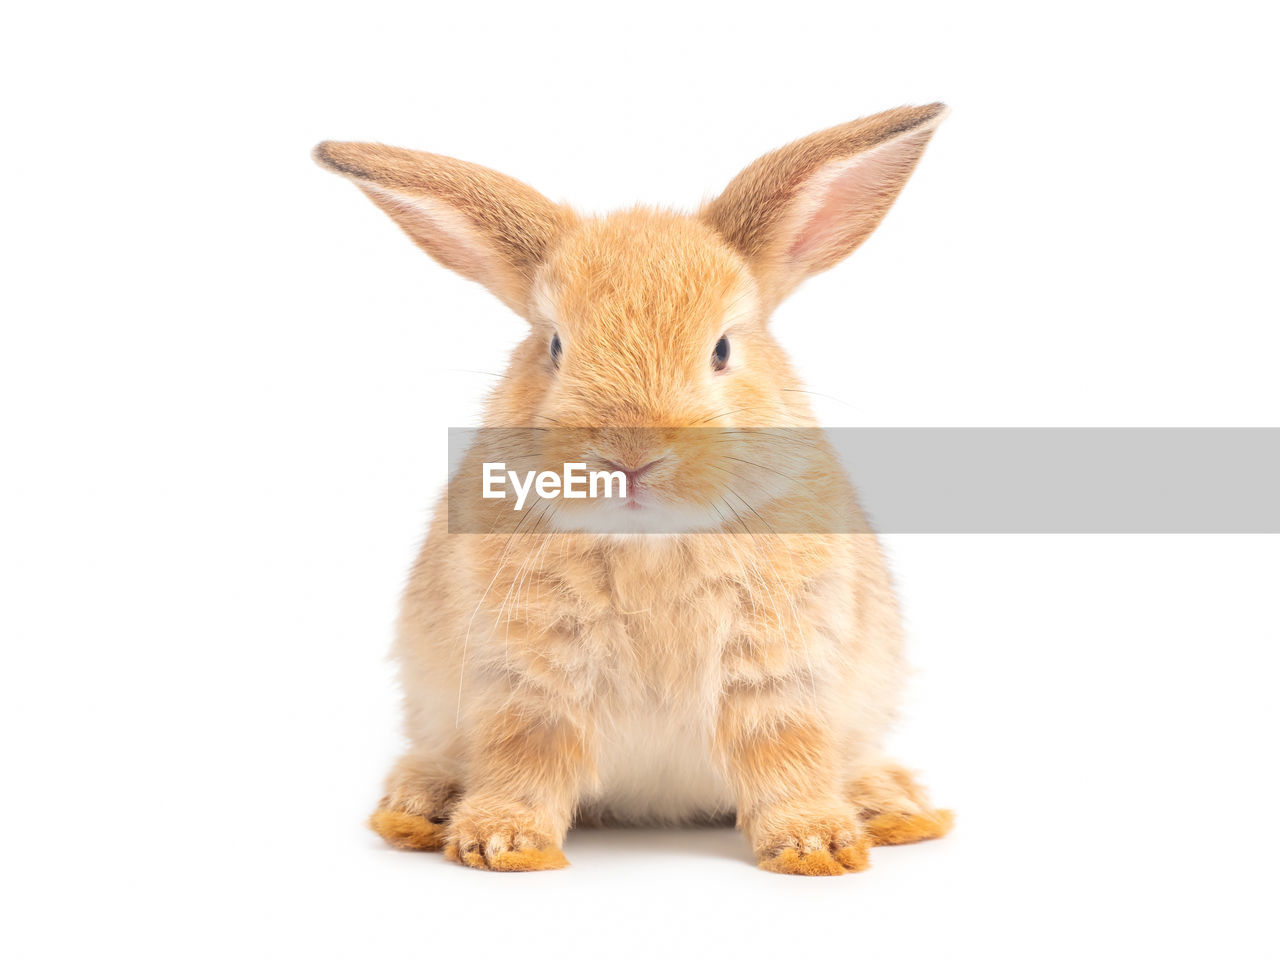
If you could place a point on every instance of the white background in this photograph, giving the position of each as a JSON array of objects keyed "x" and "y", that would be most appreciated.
[{"x": 226, "y": 379}]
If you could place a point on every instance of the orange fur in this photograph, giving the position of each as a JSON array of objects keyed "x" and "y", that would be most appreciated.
[
  {"x": 819, "y": 863},
  {"x": 406, "y": 830},
  {"x": 895, "y": 808},
  {"x": 512, "y": 861},
  {"x": 806, "y": 838},
  {"x": 551, "y": 670},
  {"x": 493, "y": 833},
  {"x": 886, "y": 829}
]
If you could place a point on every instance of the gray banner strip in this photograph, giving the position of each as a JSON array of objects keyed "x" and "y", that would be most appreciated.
[
  {"x": 1068, "y": 480},
  {"x": 1005, "y": 480}
]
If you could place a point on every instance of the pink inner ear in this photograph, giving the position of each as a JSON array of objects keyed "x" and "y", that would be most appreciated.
[
  {"x": 443, "y": 231},
  {"x": 845, "y": 200}
]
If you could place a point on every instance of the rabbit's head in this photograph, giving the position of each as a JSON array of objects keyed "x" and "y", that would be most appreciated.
[{"x": 648, "y": 323}]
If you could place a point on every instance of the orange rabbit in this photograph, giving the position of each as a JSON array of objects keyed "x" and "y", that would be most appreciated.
[{"x": 568, "y": 671}]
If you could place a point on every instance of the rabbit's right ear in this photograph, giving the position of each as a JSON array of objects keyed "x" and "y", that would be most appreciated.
[
  {"x": 486, "y": 226},
  {"x": 807, "y": 206}
]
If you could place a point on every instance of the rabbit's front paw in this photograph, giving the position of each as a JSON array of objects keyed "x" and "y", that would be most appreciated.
[
  {"x": 507, "y": 838},
  {"x": 822, "y": 843}
]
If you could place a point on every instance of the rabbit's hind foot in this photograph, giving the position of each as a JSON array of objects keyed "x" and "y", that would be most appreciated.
[
  {"x": 414, "y": 813},
  {"x": 896, "y": 809}
]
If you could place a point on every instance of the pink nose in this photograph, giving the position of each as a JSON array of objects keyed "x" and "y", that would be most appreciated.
[{"x": 633, "y": 473}]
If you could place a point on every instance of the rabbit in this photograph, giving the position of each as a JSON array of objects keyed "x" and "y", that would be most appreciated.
[{"x": 568, "y": 673}]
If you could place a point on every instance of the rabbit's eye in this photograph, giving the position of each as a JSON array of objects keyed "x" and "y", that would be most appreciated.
[
  {"x": 720, "y": 356},
  {"x": 556, "y": 349}
]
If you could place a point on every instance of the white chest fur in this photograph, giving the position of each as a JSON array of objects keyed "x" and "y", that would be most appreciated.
[{"x": 655, "y": 765}]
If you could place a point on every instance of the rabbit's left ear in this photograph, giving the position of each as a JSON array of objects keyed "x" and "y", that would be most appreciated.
[
  {"x": 807, "y": 206},
  {"x": 480, "y": 223}
]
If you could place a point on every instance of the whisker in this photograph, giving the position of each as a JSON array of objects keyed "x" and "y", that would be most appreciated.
[
  {"x": 814, "y": 393},
  {"x": 483, "y": 373}
]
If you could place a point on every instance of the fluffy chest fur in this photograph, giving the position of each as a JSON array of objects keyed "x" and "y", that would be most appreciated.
[
  {"x": 655, "y": 758},
  {"x": 660, "y": 633}
]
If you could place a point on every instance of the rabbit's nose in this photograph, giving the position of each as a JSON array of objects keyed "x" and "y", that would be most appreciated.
[{"x": 634, "y": 473}]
